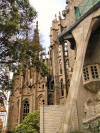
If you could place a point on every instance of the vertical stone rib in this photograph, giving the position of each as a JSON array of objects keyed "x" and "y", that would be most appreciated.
[{"x": 81, "y": 36}]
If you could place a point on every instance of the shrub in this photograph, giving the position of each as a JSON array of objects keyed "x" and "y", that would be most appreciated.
[
  {"x": 31, "y": 124},
  {"x": 10, "y": 132},
  {"x": 76, "y": 132}
]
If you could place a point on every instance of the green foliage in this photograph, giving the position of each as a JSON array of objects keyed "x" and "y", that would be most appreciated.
[
  {"x": 10, "y": 132},
  {"x": 94, "y": 127},
  {"x": 16, "y": 18},
  {"x": 76, "y": 132},
  {"x": 31, "y": 124}
]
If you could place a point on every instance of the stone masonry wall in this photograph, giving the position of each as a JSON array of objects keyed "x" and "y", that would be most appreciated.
[{"x": 50, "y": 118}]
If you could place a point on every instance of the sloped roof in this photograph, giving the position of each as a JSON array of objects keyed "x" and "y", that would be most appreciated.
[{"x": 2, "y": 109}]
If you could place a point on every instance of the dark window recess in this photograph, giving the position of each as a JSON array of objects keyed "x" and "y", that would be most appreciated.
[
  {"x": 43, "y": 86},
  {"x": 50, "y": 99},
  {"x": 60, "y": 69},
  {"x": 52, "y": 85},
  {"x": 60, "y": 65},
  {"x": 62, "y": 87},
  {"x": 25, "y": 109},
  {"x": 94, "y": 72},
  {"x": 86, "y": 74}
]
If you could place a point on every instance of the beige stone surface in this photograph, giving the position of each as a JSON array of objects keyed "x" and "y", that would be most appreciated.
[{"x": 50, "y": 118}]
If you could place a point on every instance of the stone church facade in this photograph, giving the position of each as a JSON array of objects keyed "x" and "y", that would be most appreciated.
[
  {"x": 30, "y": 91},
  {"x": 74, "y": 66}
]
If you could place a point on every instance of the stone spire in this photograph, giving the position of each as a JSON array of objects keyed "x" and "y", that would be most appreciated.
[{"x": 36, "y": 35}]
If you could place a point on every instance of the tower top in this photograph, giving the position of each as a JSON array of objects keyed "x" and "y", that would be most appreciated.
[{"x": 36, "y": 35}]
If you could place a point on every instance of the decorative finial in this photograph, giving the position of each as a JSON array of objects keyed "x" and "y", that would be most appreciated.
[
  {"x": 59, "y": 13},
  {"x": 36, "y": 34},
  {"x": 55, "y": 17}
]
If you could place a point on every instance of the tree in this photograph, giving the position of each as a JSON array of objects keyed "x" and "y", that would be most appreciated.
[
  {"x": 31, "y": 123},
  {"x": 16, "y": 51}
]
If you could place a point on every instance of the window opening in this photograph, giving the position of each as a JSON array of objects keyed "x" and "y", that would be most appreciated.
[
  {"x": 43, "y": 86},
  {"x": 62, "y": 88},
  {"x": 26, "y": 109},
  {"x": 94, "y": 72},
  {"x": 66, "y": 49},
  {"x": 60, "y": 62},
  {"x": 52, "y": 85},
  {"x": 86, "y": 74}
]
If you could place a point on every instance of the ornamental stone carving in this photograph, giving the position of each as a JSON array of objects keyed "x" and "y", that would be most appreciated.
[{"x": 92, "y": 108}]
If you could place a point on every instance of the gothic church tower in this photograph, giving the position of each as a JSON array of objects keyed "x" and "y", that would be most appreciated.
[{"x": 28, "y": 93}]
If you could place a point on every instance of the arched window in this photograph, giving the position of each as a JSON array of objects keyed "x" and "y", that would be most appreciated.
[
  {"x": 25, "y": 108},
  {"x": 62, "y": 87}
]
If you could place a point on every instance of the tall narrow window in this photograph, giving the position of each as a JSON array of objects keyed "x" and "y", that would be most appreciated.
[
  {"x": 25, "y": 109},
  {"x": 52, "y": 85},
  {"x": 62, "y": 87},
  {"x": 66, "y": 49},
  {"x": 60, "y": 65}
]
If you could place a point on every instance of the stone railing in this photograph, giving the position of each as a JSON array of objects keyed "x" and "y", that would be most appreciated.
[{"x": 91, "y": 77}]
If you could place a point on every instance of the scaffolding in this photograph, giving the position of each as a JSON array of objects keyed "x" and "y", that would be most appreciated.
[{"x": 84, "y": 7}]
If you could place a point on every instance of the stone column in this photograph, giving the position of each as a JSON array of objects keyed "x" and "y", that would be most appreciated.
[{"x": 81, "y": 35}]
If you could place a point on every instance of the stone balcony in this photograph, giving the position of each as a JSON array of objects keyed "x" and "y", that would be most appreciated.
[{"x": 91, "y": 77}]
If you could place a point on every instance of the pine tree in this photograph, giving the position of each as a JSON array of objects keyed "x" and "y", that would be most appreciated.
[{"x": 16, "y": 50}]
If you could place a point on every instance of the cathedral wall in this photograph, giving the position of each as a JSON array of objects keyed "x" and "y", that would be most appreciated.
[
  {"x": 34, "y": 92},
  {"x": 70, "y": 17}
]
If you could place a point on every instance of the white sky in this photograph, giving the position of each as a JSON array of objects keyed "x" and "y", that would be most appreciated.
[{"x": 46, "y": 13}]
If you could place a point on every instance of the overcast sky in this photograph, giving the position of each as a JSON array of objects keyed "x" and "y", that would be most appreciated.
[{"x": 46, "y": 13}]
